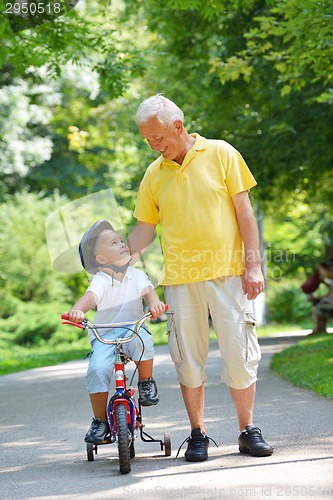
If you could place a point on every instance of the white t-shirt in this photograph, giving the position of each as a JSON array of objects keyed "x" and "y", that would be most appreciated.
[{"x": 118, "y": 301}]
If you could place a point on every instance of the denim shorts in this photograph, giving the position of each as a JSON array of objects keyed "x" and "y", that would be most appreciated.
[
  {"x": 234, "y": 325},
  {"x": 103, "y": 357}
]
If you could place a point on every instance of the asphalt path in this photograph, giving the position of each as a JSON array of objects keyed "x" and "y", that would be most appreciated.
[{"x": 45, "y": 412}]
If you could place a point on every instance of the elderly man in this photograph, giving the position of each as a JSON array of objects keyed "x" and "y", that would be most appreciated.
[{"x": 198, "y": 191}]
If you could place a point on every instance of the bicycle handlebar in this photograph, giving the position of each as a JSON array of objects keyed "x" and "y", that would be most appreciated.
[{"x": 93, "y": 327}]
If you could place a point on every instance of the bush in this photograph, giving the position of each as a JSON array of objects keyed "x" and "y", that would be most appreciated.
[
  {"x": 26, "y": 271},
  {"x": 287, "y": 304},
  {"x": 33, "y": 324},
  {"x": 8, "y": 304},
  {"x": 66, "y": 335}
]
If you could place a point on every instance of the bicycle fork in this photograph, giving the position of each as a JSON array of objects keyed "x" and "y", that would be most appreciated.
[{"x": 122, "y": 396}]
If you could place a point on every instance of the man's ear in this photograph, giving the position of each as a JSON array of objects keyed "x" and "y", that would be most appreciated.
[{"x": 179, "y": 126}]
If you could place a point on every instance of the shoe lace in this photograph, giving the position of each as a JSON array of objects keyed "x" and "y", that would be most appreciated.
[
  {"x": 147, "y": 386},
  {"x": 188, "y": 439},
  {"x": 256, "y": 434},
  {"x": 98, "y": 425}
]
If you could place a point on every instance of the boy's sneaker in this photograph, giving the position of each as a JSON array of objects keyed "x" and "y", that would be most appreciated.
[
  {"x": 98, "y": 431},
  {"x": 251, "y": 441},
  {"x": 148, "y": 392}
]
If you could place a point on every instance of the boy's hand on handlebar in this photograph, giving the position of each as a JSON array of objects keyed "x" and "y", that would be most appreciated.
[
  {"x": 76, "y": 316},
  {"x": 157, "y": 309}
]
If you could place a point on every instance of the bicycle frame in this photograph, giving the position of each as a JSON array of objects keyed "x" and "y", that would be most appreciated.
[
  {"x": 122, "y": 395},
  {"x": 122, "y": 409}
]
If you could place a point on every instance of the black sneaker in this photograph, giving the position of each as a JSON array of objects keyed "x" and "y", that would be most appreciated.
[
  {"x": 197, "y": 448},
  {"x": 148, "y": 392},
  {"x": 251, "y": 441},
  {"x": 98, "y": 431}
]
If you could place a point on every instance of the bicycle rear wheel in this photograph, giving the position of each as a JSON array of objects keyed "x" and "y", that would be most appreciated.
[{"x": 123, "y": 437}]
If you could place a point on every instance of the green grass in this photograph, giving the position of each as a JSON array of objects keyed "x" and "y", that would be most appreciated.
[
  {"x": 25, "y": 358},
  {"x": 308, "y": 364},
  {"x": 14, "y": 358}
]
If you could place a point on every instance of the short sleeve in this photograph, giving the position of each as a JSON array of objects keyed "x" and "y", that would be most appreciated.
[
  {"x": 146, "y": 209},
  {"x": 142, "y": 281},
  {"x": 238, "y": 175},
  {"x": 98, "y": 286}
]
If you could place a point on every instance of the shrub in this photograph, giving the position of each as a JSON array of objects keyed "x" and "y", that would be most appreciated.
[
  {"x": 287, "y": 304},
  {"x": 26, "y": 271},
  {"x": 33, "y": 323},
  {"x": 8, "y": 304}
]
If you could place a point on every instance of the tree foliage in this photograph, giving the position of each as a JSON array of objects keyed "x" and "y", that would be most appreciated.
[
  {"x": 24, "y": 139},
  {"x": 87, "y": 36},
  {"x": 257, "y": 73}
]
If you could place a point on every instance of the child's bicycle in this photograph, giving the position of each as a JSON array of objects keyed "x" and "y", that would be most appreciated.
[{"x": 124, "y": 415}]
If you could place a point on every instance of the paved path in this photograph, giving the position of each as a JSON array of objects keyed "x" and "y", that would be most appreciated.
[{"x": 44, "y": 414}]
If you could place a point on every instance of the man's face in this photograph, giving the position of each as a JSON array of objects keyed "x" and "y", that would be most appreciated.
[{"x": 166, "y": 140}]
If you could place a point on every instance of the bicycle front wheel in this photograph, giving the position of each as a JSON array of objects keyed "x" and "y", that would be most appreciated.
[{"x": 123, "y": 437}]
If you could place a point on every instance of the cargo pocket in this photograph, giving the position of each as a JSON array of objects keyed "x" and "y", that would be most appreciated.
[
  {"x": 252, "y": 345},
  {"x": 173, "y": 342}
]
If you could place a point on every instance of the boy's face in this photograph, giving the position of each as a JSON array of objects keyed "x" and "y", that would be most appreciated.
[{"x": 111, "y": 249}]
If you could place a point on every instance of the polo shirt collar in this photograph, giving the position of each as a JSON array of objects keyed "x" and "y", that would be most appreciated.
[
  {"x": 129, "y": 275},
  {"x": 199, "y": 144}
]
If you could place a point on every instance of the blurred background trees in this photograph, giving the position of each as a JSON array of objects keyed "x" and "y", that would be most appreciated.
[{"x": 255, "y": 73}]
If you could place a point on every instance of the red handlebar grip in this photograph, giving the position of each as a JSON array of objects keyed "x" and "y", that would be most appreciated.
[
  {"x": 65, "y": 318},
  {"x": 166, "y": 307}
]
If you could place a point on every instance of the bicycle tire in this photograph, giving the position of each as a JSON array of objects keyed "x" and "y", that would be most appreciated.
[{"x": 123, "y": 439}]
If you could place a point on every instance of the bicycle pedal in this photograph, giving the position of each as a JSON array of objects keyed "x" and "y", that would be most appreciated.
[{"x": 107, "y": 440}]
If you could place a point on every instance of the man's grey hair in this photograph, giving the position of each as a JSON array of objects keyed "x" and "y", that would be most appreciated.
[{"x": 166, "y": 111}]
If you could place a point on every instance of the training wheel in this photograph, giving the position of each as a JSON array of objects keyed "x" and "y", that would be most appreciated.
[
  {"x": 167, "y": 444},
  {"x": 132, "y": 449},
  {"x": 90, "y": 452}
]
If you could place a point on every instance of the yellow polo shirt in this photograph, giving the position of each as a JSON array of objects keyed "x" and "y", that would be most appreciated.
[{"x": 192, "y": 202}]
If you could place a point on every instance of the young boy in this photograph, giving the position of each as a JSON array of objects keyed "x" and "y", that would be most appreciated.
[{"x": 116, "y": 292}]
